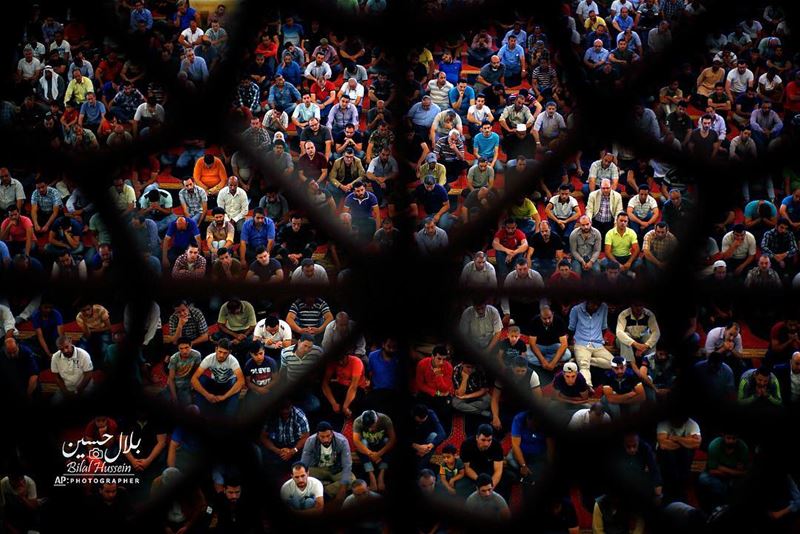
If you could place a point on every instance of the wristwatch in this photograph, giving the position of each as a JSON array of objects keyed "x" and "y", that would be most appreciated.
[{"x": 294, "y": 450}]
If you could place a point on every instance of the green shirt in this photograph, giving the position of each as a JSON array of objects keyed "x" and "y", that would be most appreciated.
[
  {"x": 524, "y": 211},
  {"x": 240, "y": 321},
  {"x": 718, "y": 456},
  {"x": 621, "y": 244}
]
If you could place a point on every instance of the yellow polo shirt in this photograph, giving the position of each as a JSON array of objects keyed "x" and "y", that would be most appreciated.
[{"x": 621, "y": 244}]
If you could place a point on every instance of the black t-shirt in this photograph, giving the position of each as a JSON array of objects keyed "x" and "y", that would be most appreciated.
[
  {"x": 319, "y": 138},
  {"x": 147, "y": 431},
  {"x": 575, "y": 390},
  {"x": 296, "y": 242},
  {"x": 703, "y": 146},
  {"x": 265, "y": 272},
  {"x": 510, "y": 351},
  {"x": 260, "y": 374},
  {"x": 548, "y": 335},
  {"x": 339, "y": 139},
  {"x": 545, "y": 250},
  {"x": 623, "y": 385},
  {"x": 481, "y": 461},
  {"x": 514, "y": 146},
  {"x": 432, "y": 200}
]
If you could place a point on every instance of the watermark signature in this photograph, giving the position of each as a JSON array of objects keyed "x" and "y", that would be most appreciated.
[{"x": 99, "y": 461}]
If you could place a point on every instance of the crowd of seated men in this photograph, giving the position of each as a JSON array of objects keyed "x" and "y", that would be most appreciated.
[{"x": 321, "y": 119}]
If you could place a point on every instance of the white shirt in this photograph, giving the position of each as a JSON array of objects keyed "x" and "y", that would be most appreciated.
[
  {"x": 688, "y": 429},
  {"x": 795, "y": 385},
  {"x": 313, "y": 489},
  {"x": 565, "y": 210},
  {"x": 284, "y": 333},
  {"x": 479, "y": 114},
  {"x": 71, "y": 370},
  {"x": 747, "y": 248},
  {"x": 584, "y": 7},
  {"x": 152, "y": 324},
  {"x": 235, "y": 205},
  {"x": 320, "y": 276},
  {"x": 192, "y": 38},
  {"x": 640, "y": 209},
  {"x": 769, "y": 85},
  {"x": 29, "y": 69},
  {"x": 581, "y": 419},
  {"x": 353, "y": 92},
  {"x": 738, "y": 81},
  {"x": 7, "y": 321}
]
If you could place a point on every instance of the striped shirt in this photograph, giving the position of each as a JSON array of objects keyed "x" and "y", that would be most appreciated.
[
  {"x": 294, "y": 367},
  {"x": 309, "y": 315}
]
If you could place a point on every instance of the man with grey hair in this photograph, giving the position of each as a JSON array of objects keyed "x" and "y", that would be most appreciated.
[
  {"x": 478, "y": 272},
  {"x": 603, "y": 206},
  {"x": 521, "y": 308},
  {"x": 338, "y": 330},
  {"x": 431, "y": 238}
]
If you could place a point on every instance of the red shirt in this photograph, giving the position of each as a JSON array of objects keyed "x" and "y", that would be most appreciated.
[
  {"x": 510, "y": 241},
  {"x": 343, "y": 375},
  {"x": 557, "y": 280},
  {"x": 322, "y": 93},
  {"x": 430, "y": 380},
  {"x": 792, "y": 89},
  {"x": 268, "y": 49},
  {"x": 17, "y": 234}
]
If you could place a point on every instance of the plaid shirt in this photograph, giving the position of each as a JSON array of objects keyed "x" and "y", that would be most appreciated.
[
  {"x": 195, "y": 326},
  {"x": 47, "y": 201},
  {"x": 671, "y": 10},
  {"x": 604, "y": 213},
  {"x": 193, "y": 200},
  {"x": 287, "y": 432},
  {"x": 776, "y": 243},
  {"x": 249, "y": 96},
  {"x": 128, "y": 102},
  {"x": 660, "y": 248},
  {"x": 475, "y": 382},
  {"x": 181, "y": 268}
]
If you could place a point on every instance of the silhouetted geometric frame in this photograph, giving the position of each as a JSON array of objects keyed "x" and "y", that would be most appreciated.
[{"x": 420, "y": 293}]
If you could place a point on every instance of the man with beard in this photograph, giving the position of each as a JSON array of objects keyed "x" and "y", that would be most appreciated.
[{"x": 302, "y": 493}]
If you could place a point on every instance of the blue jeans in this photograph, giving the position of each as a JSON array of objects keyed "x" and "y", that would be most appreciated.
[
  {"x": 501, "y": 266},
  {"x": 618, "y": 410},
  {"x": 635, "y": 226},
  {"x": 367, "y": 464},
  {"x": 189, "y": 156},
  {"x": 545, "y": 267},
  {"x": 226, "y": 408},
  {"x": 576, "y": 266},
  {"x": 548, "y": 351},
  {"x": 164, "y": 223},
  {"x": 526, "y": 225},
  {"x": 568, "y": 228},
  {"x": 446, "y": 222},
  {"x": 297, "y": 502}
]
